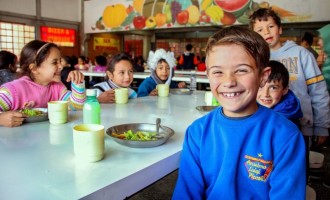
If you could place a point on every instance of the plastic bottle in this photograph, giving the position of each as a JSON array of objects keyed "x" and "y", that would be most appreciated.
[
  {"x": 92, "y": 108},
  {"x": 193, "y": 84}
]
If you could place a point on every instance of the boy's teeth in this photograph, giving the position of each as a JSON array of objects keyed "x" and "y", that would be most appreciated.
[{"x": 230, "y": 94}]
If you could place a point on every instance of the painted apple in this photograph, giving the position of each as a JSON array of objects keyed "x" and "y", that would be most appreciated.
[
  {"x": 204, "y": 18},
  {"x": 182, "y": 17},
  {"x": 139, "y": 22}
]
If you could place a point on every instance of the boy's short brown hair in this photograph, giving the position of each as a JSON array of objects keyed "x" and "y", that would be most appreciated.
[
  {"x": 251, "y": 41},
  {"x": 262, "y": 14}
]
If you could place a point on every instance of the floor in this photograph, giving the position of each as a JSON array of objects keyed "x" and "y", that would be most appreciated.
[{"x": 162, "y": 189}]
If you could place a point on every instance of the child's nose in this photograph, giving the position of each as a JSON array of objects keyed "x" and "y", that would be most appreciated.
[{"x": 229, "y": 81}]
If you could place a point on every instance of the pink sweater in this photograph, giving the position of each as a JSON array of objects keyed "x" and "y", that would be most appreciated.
[{"x": 15, "y": 94}]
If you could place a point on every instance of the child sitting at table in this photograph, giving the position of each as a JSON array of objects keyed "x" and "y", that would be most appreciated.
[
  {"x": 275, "y": 94},
  {"x": 40, "y": 64},
  {"x": 161, "y": 64},
  {"x": 240, "y": 150},
  {"x": 119, "y": 74}
]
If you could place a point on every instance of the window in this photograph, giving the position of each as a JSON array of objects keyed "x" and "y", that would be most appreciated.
[{"x": 14, "y": 36}]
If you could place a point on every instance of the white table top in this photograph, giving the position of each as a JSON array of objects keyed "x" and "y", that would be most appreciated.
[{"x": 37, "y": 160}]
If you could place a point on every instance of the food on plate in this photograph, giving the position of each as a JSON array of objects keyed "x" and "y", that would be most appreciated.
[
  {"x": 33, "y": 112},
  {"x": 138, "y": 135}
]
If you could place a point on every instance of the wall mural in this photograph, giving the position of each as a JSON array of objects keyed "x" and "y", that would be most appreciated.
[{"x": 122, "y": 15}]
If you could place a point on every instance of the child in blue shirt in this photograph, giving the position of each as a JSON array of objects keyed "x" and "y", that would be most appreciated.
[
  {"x": 161, "y": 64},
  {"x": 275, "y": 94},
  {"x": 241, "y": 150}
]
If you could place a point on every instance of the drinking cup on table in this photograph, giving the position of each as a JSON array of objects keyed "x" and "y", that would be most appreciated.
[
  {"x": 163, "y": 90},
  {"x": 162, "y": 103},
  {"x": 58, "y": 112},
  {"x": 121, "y": 95},
  {"x": 88, "y": 142},
  {"x": 208, "y": 98}
]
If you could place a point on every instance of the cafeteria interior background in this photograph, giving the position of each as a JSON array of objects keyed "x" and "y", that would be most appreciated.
[{"x": 31, "y": 15}]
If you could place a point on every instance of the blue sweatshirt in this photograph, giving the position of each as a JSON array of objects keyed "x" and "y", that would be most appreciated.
[
  {"x": 307, "y": 83},
  {"x": 289, "y": 107},
  {"x": 258, "y": 157}
]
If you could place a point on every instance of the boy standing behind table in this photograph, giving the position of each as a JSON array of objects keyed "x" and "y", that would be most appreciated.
[
  {"x": 306, "y": 79},
  {"x": 241, "y": 150},
  {"x": 276, "y": 95}
]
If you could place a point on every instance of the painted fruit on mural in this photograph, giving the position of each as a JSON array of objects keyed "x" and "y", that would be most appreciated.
[
  {"x": 141, "y": 14},
  {"x": 139, "y": 22},
  {"x": 182, "y": 17},
  {"x": 114, "y": 15},
  {"x": 236, "y": 7}
]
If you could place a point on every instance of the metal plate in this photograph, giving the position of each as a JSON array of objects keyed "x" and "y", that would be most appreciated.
[
  {"x": 39, "y": 118},
  {"x": 181, "y": 91},
  {"x": 164, "y": 134},
  {"x": 205, "y": 108}
]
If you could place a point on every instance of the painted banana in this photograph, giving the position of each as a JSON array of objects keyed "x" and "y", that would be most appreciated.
[
  {"x": 215, "y": 13},
  {"x": 205, "y": 4}
]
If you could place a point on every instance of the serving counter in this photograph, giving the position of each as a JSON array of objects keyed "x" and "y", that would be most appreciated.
[{"x": 37, "y": 159}]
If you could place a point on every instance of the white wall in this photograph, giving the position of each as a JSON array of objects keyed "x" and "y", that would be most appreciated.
[
  {"x": 27, "y": 7},
  {"x": 69, "y": 10},
  {"x": 61, "y": 9}
]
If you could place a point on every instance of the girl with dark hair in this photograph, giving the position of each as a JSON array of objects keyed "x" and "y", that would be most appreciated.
[
  {"x": 119, "y": 74},
  {"x": 7, "y": 66},
  {"x": 40, "y": 83}
]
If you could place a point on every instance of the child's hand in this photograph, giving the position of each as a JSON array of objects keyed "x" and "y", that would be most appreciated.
[
  {"x": 11, "y": 118},
  {"x": 154, "y": 93},
  {"x": 75, "y": 76},
  {"x": 182, "y": 85},
  {"x": 107, "y": 97}
]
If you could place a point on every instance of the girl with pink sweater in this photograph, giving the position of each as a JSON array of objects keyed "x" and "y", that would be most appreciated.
[{"x": 40, "y": 64}]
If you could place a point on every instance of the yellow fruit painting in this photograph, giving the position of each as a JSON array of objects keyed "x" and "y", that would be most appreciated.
[
  {"x": 138, "y": 6},
  {"x": 114, "y": 15}
]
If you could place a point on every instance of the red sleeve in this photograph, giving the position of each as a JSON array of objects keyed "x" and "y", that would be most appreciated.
[{"x": 181, "y": 60}]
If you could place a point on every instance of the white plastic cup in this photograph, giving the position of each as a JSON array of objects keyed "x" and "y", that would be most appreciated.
[
  {"x": 163, "y": 90},
  {"x": 58, "y": 112},
  {"x": 88, "y": 142},
  {"x": 121, "y": 95}
]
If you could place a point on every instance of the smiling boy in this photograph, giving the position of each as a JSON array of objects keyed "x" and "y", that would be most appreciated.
[
  {"x": 275, "y": 94},
  {"x": 306, "y": 79},
  {"x": 241, "y": 150}
]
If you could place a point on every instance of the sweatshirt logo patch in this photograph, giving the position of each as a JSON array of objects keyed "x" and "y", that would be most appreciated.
[{"x": 258, "y": 169}]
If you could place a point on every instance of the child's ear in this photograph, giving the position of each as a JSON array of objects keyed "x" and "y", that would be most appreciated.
[
  {"x": 109, "y": 75},
  {"x": 285, "y": 91},
  {"x": 33, "y": 67},
  {"x": 264, "y": 76}
]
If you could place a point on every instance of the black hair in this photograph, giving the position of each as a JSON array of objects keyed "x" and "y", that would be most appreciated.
[
  {"x": 117, "y": 58},
  {"x": 278, "y": 73},
  {"x": 262, "y": 14},
  {"x": 308, "y": 37},
  {"x": 34, "y": 52},
  {"x": 8, "y": 61},
  {"x": 101, "y": 60},
  {"x": 189, "y": 47}
]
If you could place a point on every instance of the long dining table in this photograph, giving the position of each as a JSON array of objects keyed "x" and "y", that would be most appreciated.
[{"x": 38, "y": 162}]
